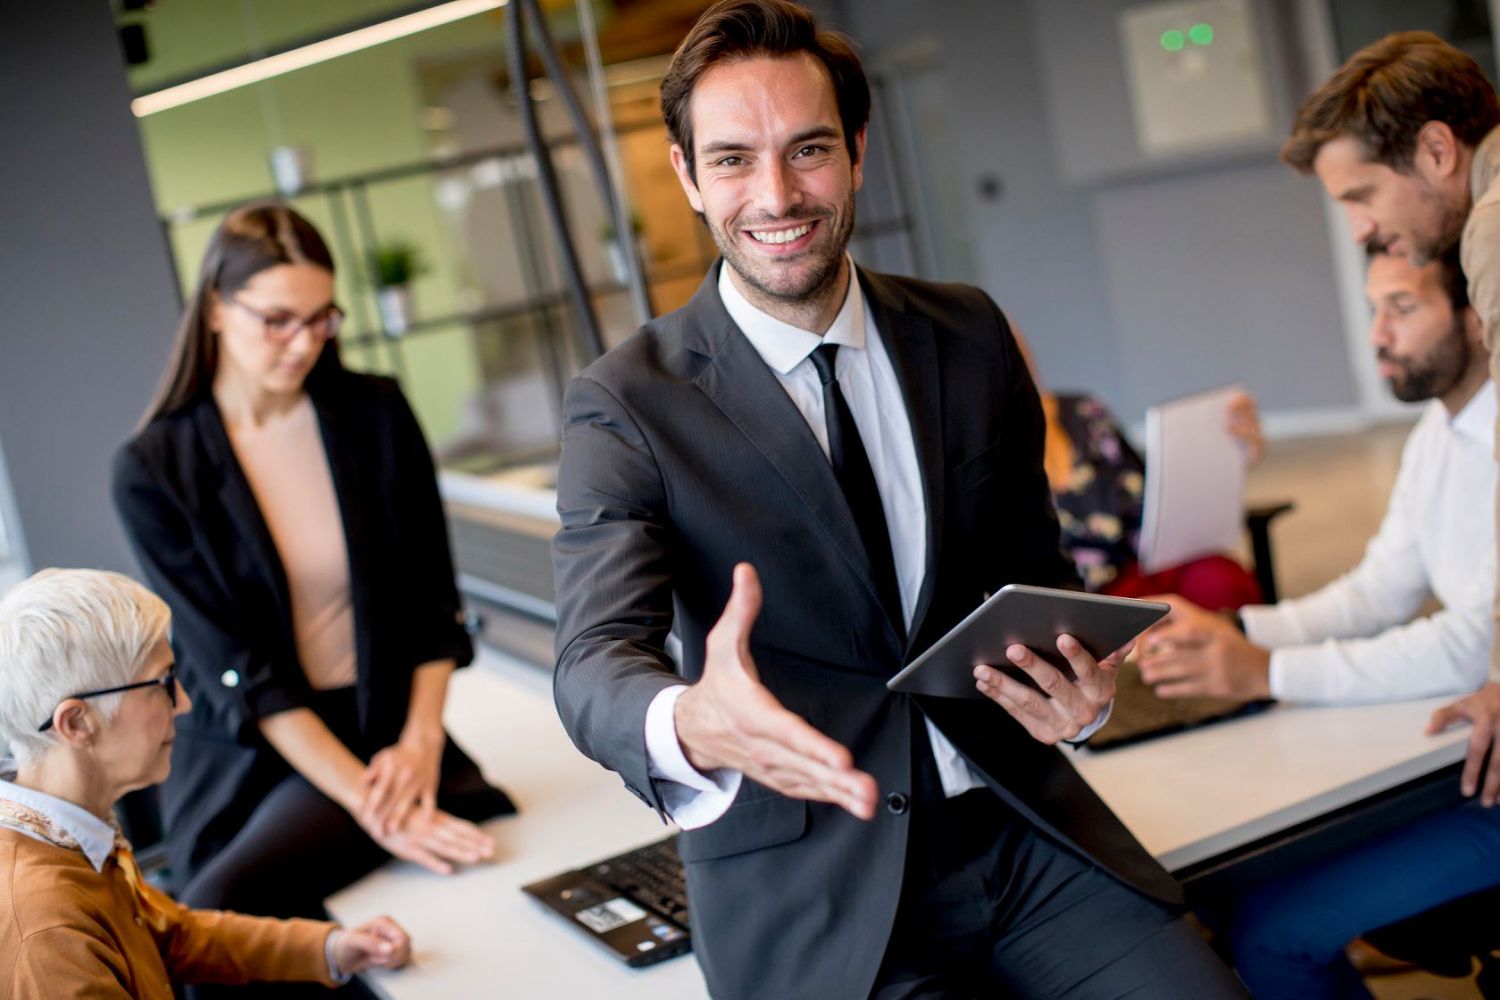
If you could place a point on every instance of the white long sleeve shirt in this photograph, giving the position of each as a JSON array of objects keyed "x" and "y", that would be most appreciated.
[
  {"x": 1355, "y": 640},
  {"x": 868, "y": 381}
]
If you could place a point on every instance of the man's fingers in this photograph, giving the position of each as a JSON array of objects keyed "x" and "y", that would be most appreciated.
[
  {"x": 742, "y": 609},
  {"x": 786, "y": 766},
  {"x": 1479, "y": 743},
  {"x": 1445, "y": 717},
  {"x": 1490, "y": 794},
  {"x": 1171, "y": 667},
  {"x": 788, "y": 729},
  {"x": 1058, "y": 688},
  {"x": 1183, "y": 689}
]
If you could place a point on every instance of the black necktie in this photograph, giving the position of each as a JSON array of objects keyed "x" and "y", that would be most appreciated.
[{"x": 851, "y": 466}]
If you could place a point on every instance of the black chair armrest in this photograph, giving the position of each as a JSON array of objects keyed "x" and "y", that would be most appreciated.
[{"x": 1258, "y": 523}]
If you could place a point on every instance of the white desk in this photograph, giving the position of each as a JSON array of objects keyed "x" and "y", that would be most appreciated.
[
  {"x": 475, "y": 934},
  {"x": 1195, "y": 795},
  {"x": 1187, "y": 797}
]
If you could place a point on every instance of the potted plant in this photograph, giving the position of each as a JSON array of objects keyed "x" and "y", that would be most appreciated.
[
  {"x": 392, "y": 266},
  {"x": 615, "y": 250}
]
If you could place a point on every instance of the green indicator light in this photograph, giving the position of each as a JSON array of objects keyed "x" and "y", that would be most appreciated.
[
  {"x": 1173, "y": 40},
  {"x": 1201, "y": 34}
]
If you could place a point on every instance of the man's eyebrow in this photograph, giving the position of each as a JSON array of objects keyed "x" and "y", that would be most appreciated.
[
  {"x": 1356, "y": 193},
  {"x": 724, "y": 146},
  {"x": 816, "y": 132}
]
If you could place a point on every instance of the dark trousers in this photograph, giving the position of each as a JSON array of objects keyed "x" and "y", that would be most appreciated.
[
  {"x": 991, "y": 907},
  {"x": 299, "y": 847}
]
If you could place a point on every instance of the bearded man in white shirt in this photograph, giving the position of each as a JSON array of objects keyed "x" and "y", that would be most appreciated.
[{"x": 1358, "y": 639}]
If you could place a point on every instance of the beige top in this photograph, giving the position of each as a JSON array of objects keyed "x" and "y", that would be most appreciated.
[
  {"x": 1480, "y": 248},
  {"x": 287, "y": 467},
  {"x": 1479, "y": 252}
]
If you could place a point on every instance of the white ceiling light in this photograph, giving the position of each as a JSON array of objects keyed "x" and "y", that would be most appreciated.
[{"x": 309, "y": 55}]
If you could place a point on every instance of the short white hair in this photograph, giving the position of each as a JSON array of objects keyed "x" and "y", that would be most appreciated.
[{"x": 63, "y": 632}]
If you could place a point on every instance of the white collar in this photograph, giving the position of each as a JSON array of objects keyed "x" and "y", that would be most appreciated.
[
  {"x": 783, "y": 346},
  {"x": 94, "y": 835},
  {"x": 1477, "y": 419}
]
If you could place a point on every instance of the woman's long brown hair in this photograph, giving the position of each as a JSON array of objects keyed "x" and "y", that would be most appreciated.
[{"x": 251, "y": 239}]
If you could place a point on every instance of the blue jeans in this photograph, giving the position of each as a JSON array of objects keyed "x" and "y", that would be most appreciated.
[{"x": 1289, "y": 935}]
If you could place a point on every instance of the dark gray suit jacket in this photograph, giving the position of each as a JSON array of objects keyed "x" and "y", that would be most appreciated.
[{"x": 683, "y": 455}]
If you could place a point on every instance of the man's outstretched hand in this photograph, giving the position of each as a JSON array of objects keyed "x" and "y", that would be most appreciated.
[{"x": 729, "y": 719}]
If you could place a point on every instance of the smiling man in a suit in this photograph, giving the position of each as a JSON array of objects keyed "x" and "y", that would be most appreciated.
[{"x": 813, "y": 471}]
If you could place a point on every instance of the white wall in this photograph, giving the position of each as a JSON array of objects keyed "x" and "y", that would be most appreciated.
[{"x": 1147, "y": 282}]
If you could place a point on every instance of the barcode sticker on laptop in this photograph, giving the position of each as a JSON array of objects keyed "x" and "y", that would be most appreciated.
[{"x": 607, "y": 916}]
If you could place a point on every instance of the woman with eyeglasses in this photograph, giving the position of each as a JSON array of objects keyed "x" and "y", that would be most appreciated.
[
  {"x": 87, "y": 653},
  {"x": 287, "y": 510}
]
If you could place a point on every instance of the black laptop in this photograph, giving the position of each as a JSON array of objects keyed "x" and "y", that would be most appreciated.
[
  {"x": 1138, "y": 714},
  {"x": 634, "y": 904}
]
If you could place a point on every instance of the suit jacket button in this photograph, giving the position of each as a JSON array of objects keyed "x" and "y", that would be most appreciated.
[
  {"x": 230, "y": 678},
  {"x": 896, "y": 803}
]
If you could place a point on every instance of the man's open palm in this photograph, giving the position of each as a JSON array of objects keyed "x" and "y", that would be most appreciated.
[{"x": 729, "y": 719}]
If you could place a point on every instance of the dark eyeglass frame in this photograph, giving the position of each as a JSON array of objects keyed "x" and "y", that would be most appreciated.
[
  {"x": 324, "y": 325},
  {"x": 167, "y": 680}
]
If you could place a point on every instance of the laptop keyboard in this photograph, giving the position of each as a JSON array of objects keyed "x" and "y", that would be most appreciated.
[{"x": 652, "y": 874}]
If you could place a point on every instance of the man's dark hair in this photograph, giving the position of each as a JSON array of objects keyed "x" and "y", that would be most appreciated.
[
  {"x": 1450, "y": 274},
  {"x": 1386, "y": 92},
  {"x": 744, "y": 29}
]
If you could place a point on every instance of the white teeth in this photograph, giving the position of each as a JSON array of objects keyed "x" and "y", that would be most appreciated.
[{"x": 783, "y": 235}]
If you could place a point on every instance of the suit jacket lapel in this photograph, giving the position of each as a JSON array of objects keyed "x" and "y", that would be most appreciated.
[
  {"x": 909, "y": 341},
  {"x": 744, "y": 388}
]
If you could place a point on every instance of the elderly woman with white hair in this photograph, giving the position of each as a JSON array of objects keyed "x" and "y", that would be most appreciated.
[{"x": 88, "y": 695}]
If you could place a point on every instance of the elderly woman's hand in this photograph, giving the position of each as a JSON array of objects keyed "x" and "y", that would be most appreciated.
[{"x": 377, "y": 944}]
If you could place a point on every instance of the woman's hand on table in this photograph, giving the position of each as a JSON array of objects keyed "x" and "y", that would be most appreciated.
[
  {"x": 401, "y": 781},
  {"x": 437, "y": 841}
]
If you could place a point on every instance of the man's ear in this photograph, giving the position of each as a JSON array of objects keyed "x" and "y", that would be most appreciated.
[
  {"x": 74, "y": 724},
  {"x": 1437, "y": 149},
  {"x": 860, "y": 138},
  {"x": 689, "y": 186},
  {"x": 1474, "y": 327}
]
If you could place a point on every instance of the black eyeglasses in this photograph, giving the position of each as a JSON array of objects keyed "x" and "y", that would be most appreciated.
[
  {"x": 167, "y": 680},
  {"x": 280, "y": 327}
]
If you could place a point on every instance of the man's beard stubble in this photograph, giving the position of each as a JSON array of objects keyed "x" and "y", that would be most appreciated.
[
  {"x": 817, "y": 280},
  {"x": 1435, "y": 374}
]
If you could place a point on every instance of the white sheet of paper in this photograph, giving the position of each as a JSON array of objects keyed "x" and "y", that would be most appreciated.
[{"x": 1195, "y": 481}]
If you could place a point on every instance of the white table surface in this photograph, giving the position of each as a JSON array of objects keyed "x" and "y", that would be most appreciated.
[
  {"x": 475, "y": 934},
  {"x": 1187, "y": 797},
  {"x": 1194, "y": 795}
]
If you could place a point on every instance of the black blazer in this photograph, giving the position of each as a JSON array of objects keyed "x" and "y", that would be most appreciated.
[
  {"x": 683, "y": 455},
  {"x": 204, "y": 547}
]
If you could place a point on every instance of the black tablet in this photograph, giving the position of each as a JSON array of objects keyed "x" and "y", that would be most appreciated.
[{"x": 1033, "y": 617}]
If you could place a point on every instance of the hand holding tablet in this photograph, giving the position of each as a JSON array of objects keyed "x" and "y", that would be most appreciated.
[{"x": 1046, "y": 656}]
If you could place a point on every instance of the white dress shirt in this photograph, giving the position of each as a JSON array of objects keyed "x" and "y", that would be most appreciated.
[
  {"x": 94, "y": 835},
  {"x": 1355, "y": 640},
  {"x": 868, "y": 381}
]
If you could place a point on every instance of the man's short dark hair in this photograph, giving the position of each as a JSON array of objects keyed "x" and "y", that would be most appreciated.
[
  {"x": 1450, "y": 274},
  {"x": 744, "y": 29},
  {"x": 1386, "y": 92}
]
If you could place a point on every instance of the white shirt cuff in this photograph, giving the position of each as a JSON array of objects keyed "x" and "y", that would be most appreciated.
[
  {"x": 1093, "y": 727},
  {"x": 691, "y": 798},
  {"x": 334, "y": 972}
]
